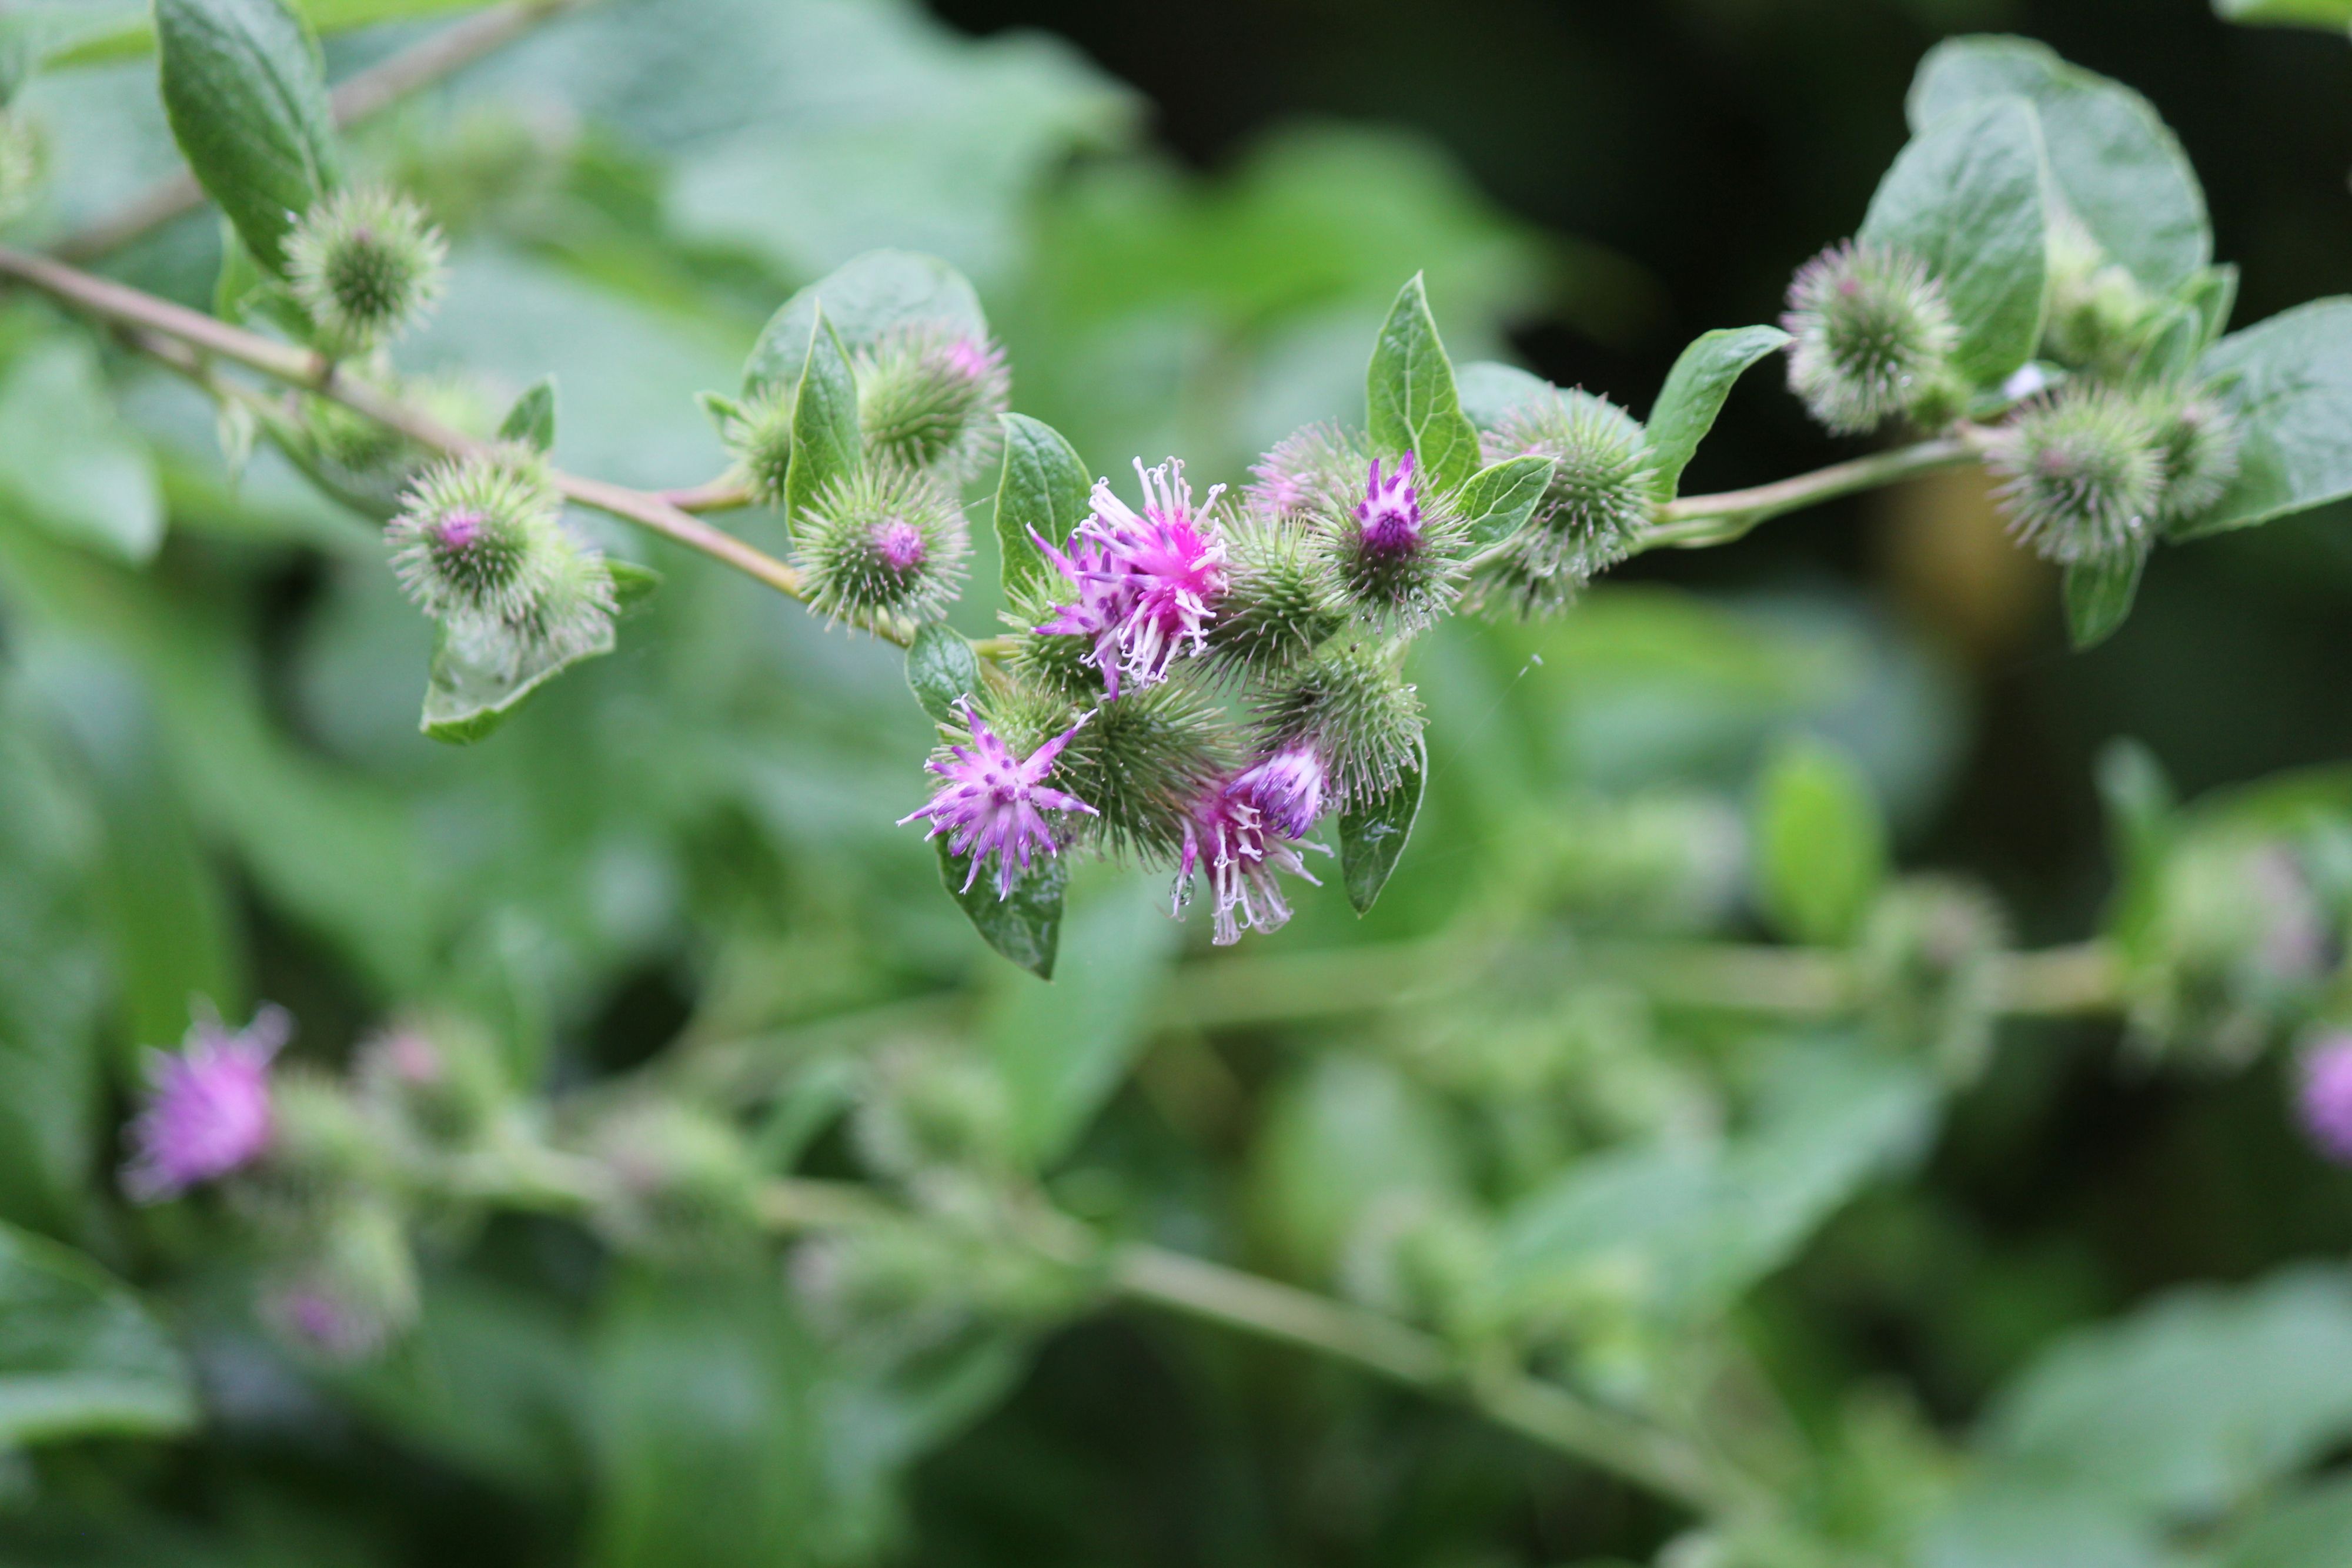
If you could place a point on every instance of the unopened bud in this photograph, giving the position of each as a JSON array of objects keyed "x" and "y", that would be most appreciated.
[
  {"x": 365, "y": 264},
  {"x": 682, "y": 1181},
  {"x": 1397, "y": 548},
  {"x": 883, "y": 543},
  {"x": 2082, "y": 474},
  {"x": 2238, "y": 945},
  {"x": 759, "y": 432},
  {"x": 354, "y": 1289},
  {"x": 1140, "y": 761},
  {"x": 480, "y": 543},
  {"x": 928, "y": 397},
  {"x": 436, "y": 1082},
  {"x": 1591, "y": 513},
  {"x": 1280, "y": 603},
  {"x": 1350, "y": 705},
  {"x": 2097, "y": 307},
  {"x": 1870, "y": 336},
  {"x": 2197, "y": 448}
]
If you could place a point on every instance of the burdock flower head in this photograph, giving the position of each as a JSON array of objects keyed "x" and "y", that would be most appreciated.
[
  {"x": 880, "y": 542},
  {"x": 364, "y": 263},
  {"x": 1397, "y": 550},
  {"x": 1148, "y": 583},
  {"x": 928, "y": 396},
  {"x": 207, "y": 1110},
  {"x": 2083, "y": 474},
  {"x": 1870, "y": 336},
  {"x": 994, "y": 802},
  {"x": 2323, "y": 1100},
  {"x": 1246, "y": 828}
]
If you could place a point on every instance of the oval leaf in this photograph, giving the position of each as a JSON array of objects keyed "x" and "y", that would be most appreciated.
[
  {"x": 1702, "y": 378},
  {"x": 2119, "y": 168},
  {"x": 864, "y": 299},
  {"x": 1372, "y": 834},
  {"x": 1411, "y": 396},
  {"x": 2099, "y": 596},
  {"x": 531, "y": 421},
  {"x": 1970, "y": 197},
  {"x": 1027, "y": 925},
  {"x": 942, "y": 671},
  {"x": 247, "y": 96},
  {"x": 79, "y": 1357},
  {"x": 2289, "y": 381},
  {"x": 825, "y": 439},
  {"x": 1498, "y": 500},
  {"x": 1490, "y": 392},
  {"x": 1044, "y": 488}
]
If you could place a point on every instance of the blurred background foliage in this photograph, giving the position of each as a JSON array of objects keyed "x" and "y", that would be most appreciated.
[{"x": 1186, "y": 225}]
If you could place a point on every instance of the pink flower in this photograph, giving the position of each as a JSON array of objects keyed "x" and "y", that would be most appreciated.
[
  {"x": 1147, "y": 582},
  {"x": 207, "y": 1108},
  {"x": 1388, "y": 520},
  {"x": 1245, "y": 830},
  {"x": 2323, "y": 1098},
  {"x": 995, "y": 803}
]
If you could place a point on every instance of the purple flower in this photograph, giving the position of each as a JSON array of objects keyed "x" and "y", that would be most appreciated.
[
  {"x": 900, "y": 545},
  {"x": 1245, "y": 830},
  {"x": 995, "y": 803},
  {"x": 1388, "y": 520},
  {"x": 1147, "y": 582},
  {"x": 2323, "y": 1097},
  {"x": 975, "y": 359},
  {"x": 207, "y": 1109}
]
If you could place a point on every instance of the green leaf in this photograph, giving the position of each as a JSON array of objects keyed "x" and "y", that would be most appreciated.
[
  {"x": 631, "y": 584},
  {"x": 2213, "y": 294},
  {"x": 2099, "y": 595},
  {"x": 1677, "y": 1232},
  {"x": 1490, "y": 393},
  {"x": 2115, "y": 164},
  {"x": 1694, "y": 394},
  {"x": 531, "y": 419},
  {"x": 1821, "y": 843},
  {"x": 1045, "y": 489},
  {"x": 480, "y": 675},
  {"x": 706, "y": 1441},
  {"x": 2333, "y": 15},
  {"x": 247, "y": 96},
  {"x": 1027, "y": 925},
  {"x": 1062, "y": 1048},
  {"x": 1410, "y": 395},
  {"x": 79, "y": 1355},
  {"x": 2307, "y": 1530},
  {"x": 1498, "y": 500},
  {"x": 2008, "y": 1522},
  {"x": 825, "y": 441},
  {"x": 70, "y": 465},
  {"x": 2289, "y": 382},
  {"x": 864, "y": 299},
  {"x": 1372, "y": 834},
  {"x": 942, "y": 671},
  {"x": 1970, "y": 197},
  {"x": 2192, "y": 1405}
]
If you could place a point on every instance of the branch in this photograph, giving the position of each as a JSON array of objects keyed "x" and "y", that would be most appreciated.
[
  {"x": 1693, "y": 522},
  {"x": 362, "y": 97},
  {"x": 124, "y": 306}
]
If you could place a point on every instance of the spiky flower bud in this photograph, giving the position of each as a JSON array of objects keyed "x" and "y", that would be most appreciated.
[
  {"x": 433, "y": 1081},
  {"x": 2197, "y": 448},
  {"x": 1929, "y": 951},
  {"x": 365, "y": 264},
  {"x": 928, "y": 397},
  {"x": 2239, "y": 941},
  {"x": 1870, "y": 335},
  {"x": 1591, "y": 513},
  {"x": 353, "y": 1288},
  {"x": 1397, "y": 551},
  {"x": 879, "y": 544},
  {"x": 1348, "y": 705},
  {"x": 24, "y": 160},
  {"x": 759, "y": 432},
  {"x": 1318, "y": 468},
  {"x": 479, "y": 543},
  {"x": 1138, "y": 761},
  {"x": 681, "y": 1182},
  {"x": 1280, "y": 603},
  {"x": 2082, "y": 474}
]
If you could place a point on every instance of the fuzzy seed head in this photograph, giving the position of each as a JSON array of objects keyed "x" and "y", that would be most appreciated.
[
  {"x": 478, "y": 536},
  {"x": 881, "y": 545},
  {"x": 365, "y": 264},
  {"x": 1871, "y": 335},
  {"x": 1349, "y": 706},
  {"x": 1591, "y": 513},
  {"x": 2197, "y": 448},
  {"x": 2082, "y": 474},
  {"x": 760, "y": 434},
  {"x": 928, "y": 397}
]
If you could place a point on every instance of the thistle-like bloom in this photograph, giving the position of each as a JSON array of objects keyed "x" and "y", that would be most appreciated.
[
  {"x": 1247, "y": 831},
  {"x": 996, "y": 803},
  {"x": 1148, "y": 583},
  {"x": 364, "y": 263},
  {"x": 1388, "y": 520},
  {"x": 207, "y": 1109},
  {"x": 2323, "y": 1097},
  {"x": 881, "y": 542}
]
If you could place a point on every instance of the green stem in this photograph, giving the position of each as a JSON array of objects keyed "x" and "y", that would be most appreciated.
[{"x": 1693, "y": 522}]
